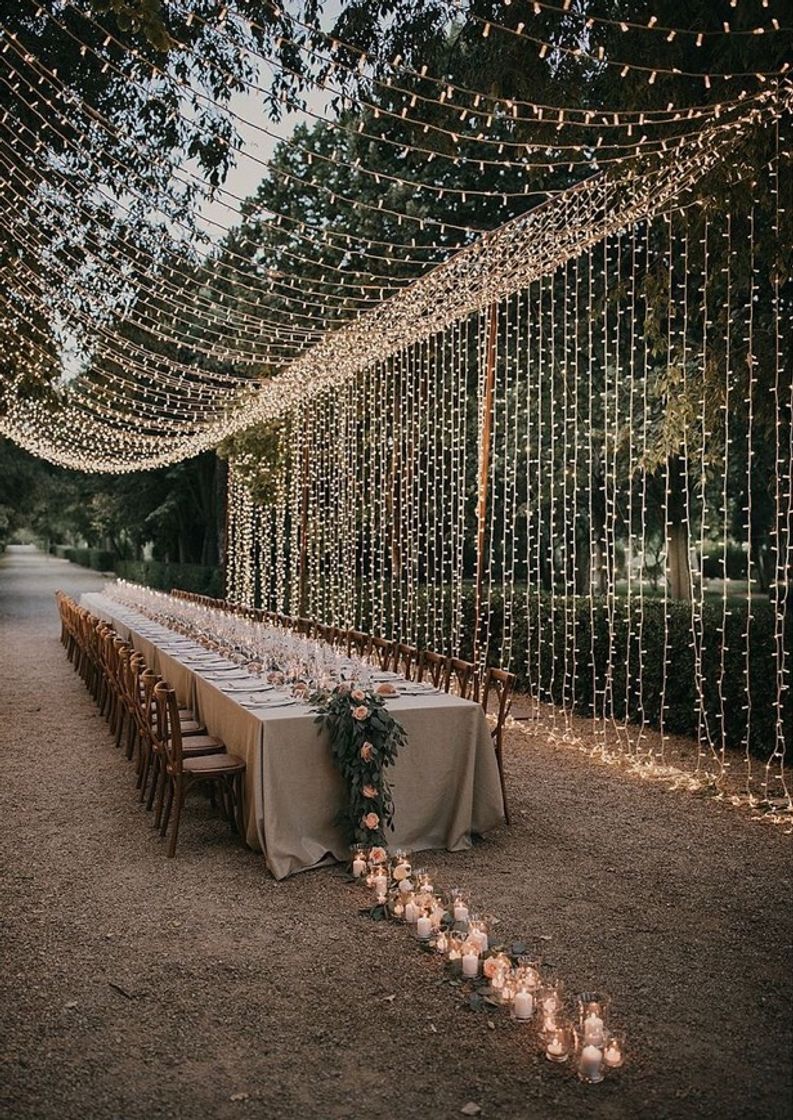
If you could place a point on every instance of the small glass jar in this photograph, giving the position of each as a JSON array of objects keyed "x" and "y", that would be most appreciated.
[
  {"x": 560, "y": 1043},
  {"x": 614, "y": 1050},
  {"x": 590, "y": 1064},
  {"x": 359, "y": 854},
  {"x": 460, "y": 910},
  {"x": 592, "y": 1014},
  {"x": 523, "y": 1004}
]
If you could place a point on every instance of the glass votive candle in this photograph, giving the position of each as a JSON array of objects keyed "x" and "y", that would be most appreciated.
[
  {"x": 529, "y": 971},
  {"x": 411, "y": 909},
  {"x": 380, "y": 882},
  {"x": 455, "y": 941},
  {"x": 359, "y": 861},
  {"x": 614, "y": 1051},
  {"x": 551, "y": 1000},
  {"x": 470, "y": 960},
  {"x": 522, "y": 1004},
  {"x": 477, "y": 932},
  {"x": 559, "y": 1043},
  {"x": 460, "y": 910},
  {"x": 423, "y": 927},
  {"x": 590, "y": 1064},
  {"x": 441, "y": 942},
  {"x": 592, "y": 1020}
]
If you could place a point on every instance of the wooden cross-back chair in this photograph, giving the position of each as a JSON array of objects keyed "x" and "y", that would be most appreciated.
[
  {"x": 381, "y": 651},
  {"x": 405, "y": 660},
  {"x": 305, "y": 626},
  {"x": 432, "y": 666},
  {"x": 497, "y": 694},
  {"x": 180, "y": 768},
  {"x": 462, "y": 679}
]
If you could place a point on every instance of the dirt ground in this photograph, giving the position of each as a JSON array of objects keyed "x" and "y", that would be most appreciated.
[{"x": 134, "y": 986}]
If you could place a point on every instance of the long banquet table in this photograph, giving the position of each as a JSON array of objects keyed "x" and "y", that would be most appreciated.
[{"x": 445, "y": 782}]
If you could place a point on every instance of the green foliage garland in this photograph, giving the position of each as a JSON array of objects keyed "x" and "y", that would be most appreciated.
[{"x": 364, "y": 739}]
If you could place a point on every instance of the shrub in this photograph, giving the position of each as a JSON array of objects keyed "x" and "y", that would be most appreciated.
[{"x": 163, "y": 576}]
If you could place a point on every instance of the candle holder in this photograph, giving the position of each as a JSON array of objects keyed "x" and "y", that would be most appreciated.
[
  {"x": 529, "y": 971},
  {"x": 477, "y": 932},
  {"x": 614, "y": 1050},
  {"x": 590, "y": 1064},
  {"x": 470, "y": 959},
  {"x": 592, "y": 1014},
  {"x": 523, "y": 1004},
  {"x": 455, "y": 941},
  {"x": 359, "y": 864},
  {"x": 560, "y": 1043},
  {"x": 459, "y": 908}
]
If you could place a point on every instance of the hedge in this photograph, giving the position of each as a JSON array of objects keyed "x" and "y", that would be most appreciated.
[
  {"x": 152, "y": 573},
  {"x": 607, "y": 634},
  {"x": 164, "y": 576}
]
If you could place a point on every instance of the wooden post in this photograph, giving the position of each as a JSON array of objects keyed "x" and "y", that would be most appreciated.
[
  {"x": 303, "y": 598},
  {"x": 484, "y": 470}
]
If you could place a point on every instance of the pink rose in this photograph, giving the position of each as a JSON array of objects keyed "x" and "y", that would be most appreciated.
[
  {"x": 361, "y": 712},
  {"x": 367, "y": 752},
  {"x": 378, "y": 855},
  {"x": 358, "y": 694},
  {"x": 490, "y": 967},
  {"x": 370, "y": 821},
  {"x": 369, "y": 791}
]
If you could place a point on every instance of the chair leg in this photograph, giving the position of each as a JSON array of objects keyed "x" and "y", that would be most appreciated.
[
  {"x": 179, "y": 800},
  {"x": 159, "y": 779},
  {"x": 168, "y": 798},
  {"x": 500, "y": 762}
]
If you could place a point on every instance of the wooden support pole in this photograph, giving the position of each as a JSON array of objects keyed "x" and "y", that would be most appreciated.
[
  {"x": 484, "y": 471},
  {"x": 303, "y": 596}
]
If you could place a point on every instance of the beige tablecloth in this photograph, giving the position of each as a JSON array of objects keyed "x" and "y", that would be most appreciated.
[{"x": 445, "y": 782}]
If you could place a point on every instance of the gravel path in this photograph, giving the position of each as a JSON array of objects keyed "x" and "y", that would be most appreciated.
[{"x": 134, "y": 986}]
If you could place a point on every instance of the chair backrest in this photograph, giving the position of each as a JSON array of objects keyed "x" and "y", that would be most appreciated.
[
  {"x": 168, "y": 728},
  {"x": 433, "y": 666},
  {"x": 405, "y": 660},
  {"x": 462, "y": 679},
  {"x": 305, "y": 626},
  {"x": 498, "y": 686},
  {"x": 358, "y": 643},
  {"x": 381, "y": 651}
]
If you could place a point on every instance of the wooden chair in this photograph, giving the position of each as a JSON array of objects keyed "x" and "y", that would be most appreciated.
[
  {"x": 405, "y": 660},
  {"x": 499, "y": 686},
  {"x": 462, "y": 677},
  {"x": 358, "y": 644},
  {"x": 180, "y": 770},
  {"x": 381, "y": 651},
  {"x": 433, "y": 666},
  {"x": 153, "y": 739},
  {"x": 305, "y": 626}
]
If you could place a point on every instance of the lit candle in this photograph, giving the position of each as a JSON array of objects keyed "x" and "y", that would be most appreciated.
[
  {"x": 470, "y": 964},
  {"x": 612, "y": 1055},
  {"x": 406, "y": 886},
  {"x": 523, "y": 1004},
  {"x": 591, "y": 1060},
  {"x": 358, "y": 866},
  {"x": 479, "y": 936},
  {"x": 441, "y": 943},
  {"x": 556, "y": 1048},
  {"x": 593, "y": 1030},
  {"x": 460, "y": 911},
  {"x": 411, "y": 911},
  {"x": 423, "y": 928},
  {"x": 380, "y": 884}
]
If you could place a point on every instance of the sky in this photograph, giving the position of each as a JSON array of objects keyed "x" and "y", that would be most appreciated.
[{"x": 259, "y": 135}]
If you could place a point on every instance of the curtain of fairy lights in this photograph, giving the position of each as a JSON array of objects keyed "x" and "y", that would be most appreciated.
[{"x": 588, "y": 482}]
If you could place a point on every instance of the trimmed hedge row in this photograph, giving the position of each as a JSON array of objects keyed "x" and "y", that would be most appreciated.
[
  {"x": 605, "y": 676},
  {"x": 163, "y": 576},
  {"x": 152, "y": 573}
]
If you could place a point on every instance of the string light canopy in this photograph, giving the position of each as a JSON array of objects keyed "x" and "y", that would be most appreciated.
[{"x": 182, "y": 343}]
